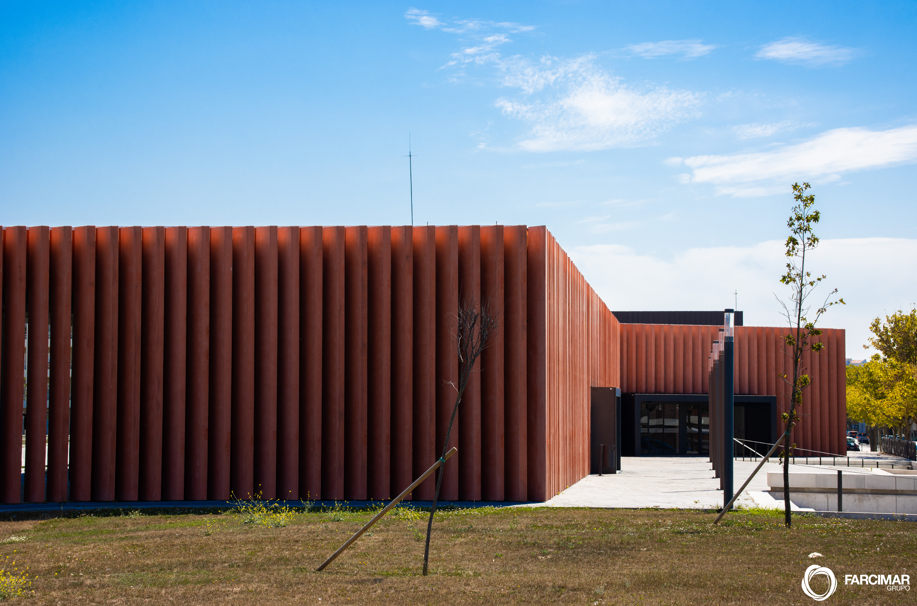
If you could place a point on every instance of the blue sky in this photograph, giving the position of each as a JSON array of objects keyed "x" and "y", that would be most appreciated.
[{"x": 656, "y": 140}]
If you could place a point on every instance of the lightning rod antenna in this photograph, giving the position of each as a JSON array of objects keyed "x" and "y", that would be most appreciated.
[{"x": 411, "y": 176}]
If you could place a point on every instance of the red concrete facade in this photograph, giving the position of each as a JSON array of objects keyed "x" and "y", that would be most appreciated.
[
  {"x": 664, "y": 358},
  {"x": 316, "y": 362}
]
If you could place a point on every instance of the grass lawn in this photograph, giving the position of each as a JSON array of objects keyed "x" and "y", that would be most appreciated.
[{"x": 479, "y": 556}]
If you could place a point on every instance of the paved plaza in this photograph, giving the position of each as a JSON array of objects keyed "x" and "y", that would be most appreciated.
[{"x": 683, "y": 483}]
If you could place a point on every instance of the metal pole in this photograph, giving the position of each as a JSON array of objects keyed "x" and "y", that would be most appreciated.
[
  {"x": 384, "y": 511},
  {"x": 753, "y": 474},
  {"x": 840, "y": 490},
  {"x": 728, "y": 421}
]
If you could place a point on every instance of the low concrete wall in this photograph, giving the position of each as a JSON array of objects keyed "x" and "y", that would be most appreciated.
[{"x": 874, "y": 492}]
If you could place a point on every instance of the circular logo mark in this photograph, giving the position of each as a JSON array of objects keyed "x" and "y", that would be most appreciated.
[{"x": 813, "y": 571}]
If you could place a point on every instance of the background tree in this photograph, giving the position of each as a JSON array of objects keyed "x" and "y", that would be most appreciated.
[
  {"x": 883, "y": 391},
  {"x": 474, "y": 329},
  {"x": 896, "y": 338},
  {"x": 803, "y": 331}
]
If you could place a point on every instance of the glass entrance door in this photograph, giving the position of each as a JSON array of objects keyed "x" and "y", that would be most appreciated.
[
  {"x": 697, "y": 429},
  {"x": 674, "y": 428},
  {"x": 659, "y": 428}
]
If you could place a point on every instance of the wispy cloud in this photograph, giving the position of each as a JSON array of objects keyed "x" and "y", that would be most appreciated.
[
  {"x": 567, "y": 104},
  {"x": 591, "y": 110},
  {"x": 801, "y": 51},
  {"x": 824, "y": 157},
  {"x": 422, "y": 18},
  {"x": 688, "y": 49},
  {"x": 759, "y": 130}
]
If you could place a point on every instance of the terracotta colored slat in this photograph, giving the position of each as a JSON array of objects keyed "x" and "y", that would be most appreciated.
[
  {"x": 127, "y": 415},
  {"x": 841, "y": 399},
  {"x": 333, "y": 363},
  {"x": 242, "y": 451},
  {"x": 678, "y": 358},
  {"x": 743, "y": 362},
  {"x": 828, "y": 389},
  {"x": 36, "y": 418},
  {"x": 690, "y": 334},
  {"x": 379, "y": 380},
  {"x": 288, "y": 361},
  {"x": 640, "y": 362},
  {"x": 780, "y": 384},
  {"x": 356, "y": 322},
  {"x": 152, "y": 341},
  {"x": 104, "y": 414},
  {"x": 59, "y": 400},
  {"x": 813, "y": 402},
  {"x": 197, "y": 423},
  {"x": 757, "y": 383},
  {"x": 265, "y": 409},
  {"x": 691, "y": 360},
  {"x": 84, "y": 304},
  {"x": 15, "y": 242},
  {"x": 424, "y": 357},
  {"x": 769, "y": 374},
  {"x": 515, "y": 354},
  {"x": 311, "y": 363},
  {"x": 824, "y": 385},
  {"x": 223, "y": 331},
  {"x": 804, "y": 427},
  {"x": 446, "y": 354},
  {"x": 4, "y": 444},
  {"x": 668, "y": 345},
  {"x": 469, "y": 421},
  {"x": 536, "y": 371},
  {"x": 175, "y": 348},
  {"x": 402, "y": 358},
  {"x": 492, "y": 363},
  {"x": 654, "y": 361}
]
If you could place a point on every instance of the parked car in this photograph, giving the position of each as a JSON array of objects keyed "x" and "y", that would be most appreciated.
[
  {"x": 852, "y": 444},
  {"x": 852, "y": 433},
  {"x": 863, "y": 438}
]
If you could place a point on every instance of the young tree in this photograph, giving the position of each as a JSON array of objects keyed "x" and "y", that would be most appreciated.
[
  {"x": 475, "y": 327},
  {"x": 803, "y": 331}
]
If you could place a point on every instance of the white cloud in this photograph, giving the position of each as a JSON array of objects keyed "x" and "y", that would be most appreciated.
[
  {"x": 688, "y": 49},
  {"x": 759, "y": 130},
  {"x": 482, "y": 52},
  {"x": 867, "y": 273},
  {"x": 464, "y": 26},
  {"x": 594, "y": 110},
  {"x": 422, "y": 18},
  {"x": 822, "y": 158},
  {"x": 568, "y": 104},
  {"x": 798, "y": 50}
]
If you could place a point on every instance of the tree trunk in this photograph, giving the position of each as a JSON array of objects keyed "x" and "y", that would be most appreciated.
[{"x": 787, "y": 512}]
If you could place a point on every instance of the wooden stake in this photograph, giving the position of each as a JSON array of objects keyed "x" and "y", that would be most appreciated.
[{"x": 385, "y": 510}]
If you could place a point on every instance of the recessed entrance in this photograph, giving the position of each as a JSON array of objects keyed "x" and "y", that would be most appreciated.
[
  {"x": 679, "y": 424},
  {"x": 674, "y": 428}
]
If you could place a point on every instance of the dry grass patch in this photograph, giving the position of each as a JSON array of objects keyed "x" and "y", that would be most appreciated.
[{"x": 478, "y": 556}]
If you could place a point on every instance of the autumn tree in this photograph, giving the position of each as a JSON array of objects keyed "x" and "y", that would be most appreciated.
[
  {"x": 803, "y": 331},
  {"x": 883, "y": 391}
]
